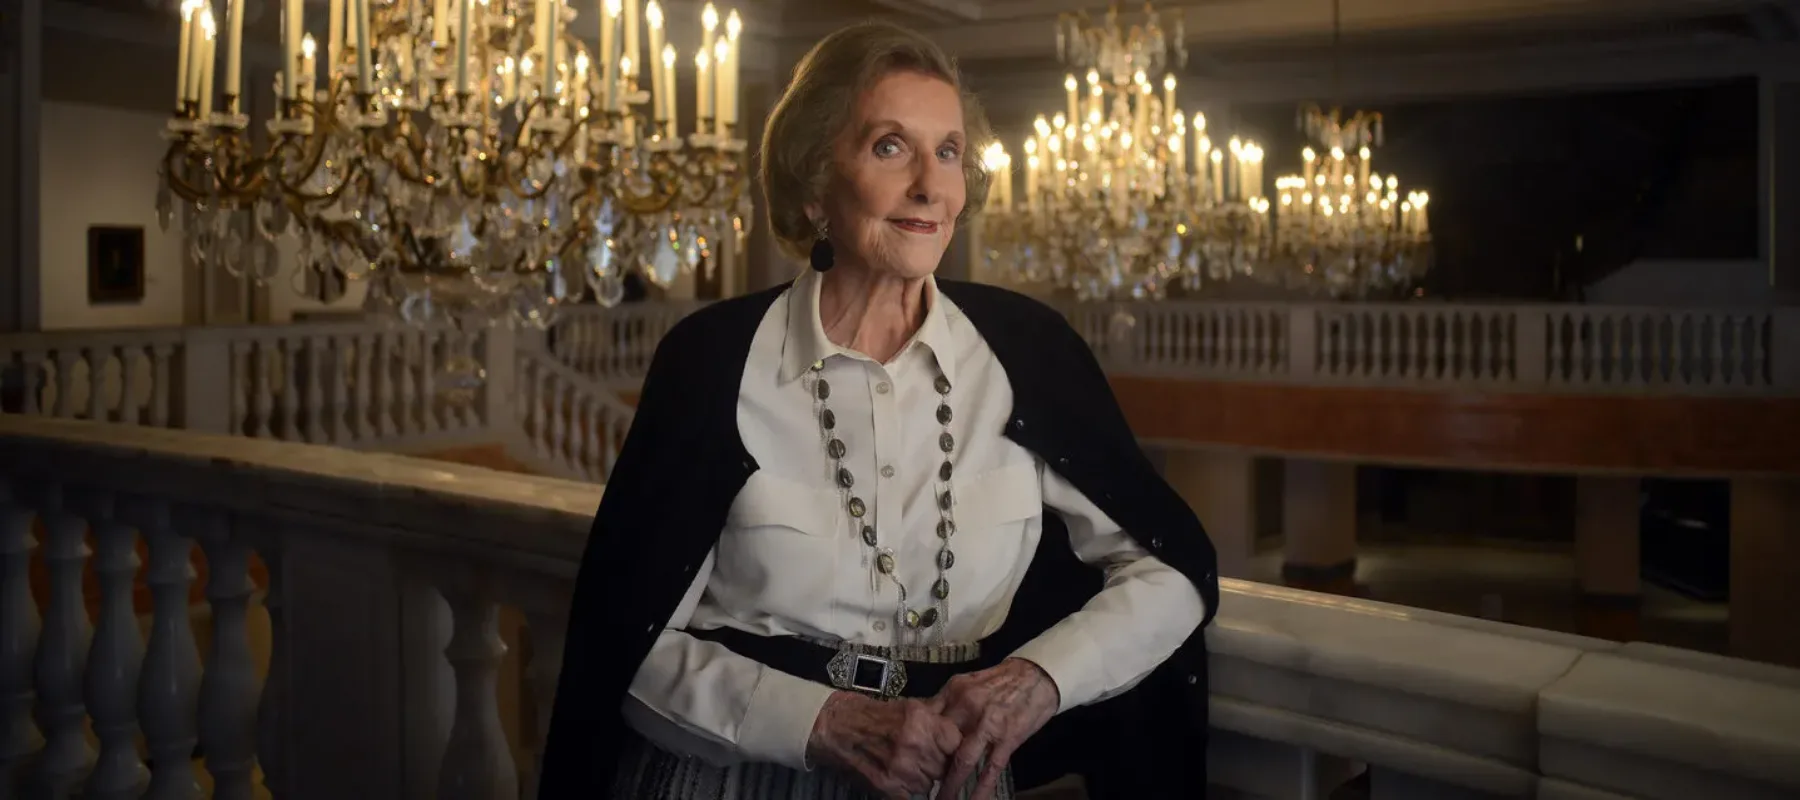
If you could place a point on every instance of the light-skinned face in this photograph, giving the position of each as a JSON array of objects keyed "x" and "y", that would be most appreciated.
[{"x": 897, "y": 185}]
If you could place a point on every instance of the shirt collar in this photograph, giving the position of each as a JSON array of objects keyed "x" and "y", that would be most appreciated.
[{"x": 806, "y": 343}]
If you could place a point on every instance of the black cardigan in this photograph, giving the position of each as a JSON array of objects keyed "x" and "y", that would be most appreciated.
[{"x": 683, "y": 464}]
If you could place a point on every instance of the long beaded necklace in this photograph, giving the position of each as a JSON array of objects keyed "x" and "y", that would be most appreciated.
[{"x": 932, "y": 618}]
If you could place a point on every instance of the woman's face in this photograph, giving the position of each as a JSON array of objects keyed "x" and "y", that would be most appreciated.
[{"x": 898, "y": 185}]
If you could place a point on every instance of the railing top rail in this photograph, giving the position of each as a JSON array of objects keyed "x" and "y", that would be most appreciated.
[{"x": 435, "y": 504}]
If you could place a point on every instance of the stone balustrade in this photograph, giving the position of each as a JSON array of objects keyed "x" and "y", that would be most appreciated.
[
  {"x": 1545, "y": 348},
  {"x": 415, "y": 613},
  {"x": 360, "y": 385}
]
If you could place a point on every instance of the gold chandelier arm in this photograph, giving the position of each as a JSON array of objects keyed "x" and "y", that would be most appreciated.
[{"x": 178, "y": 152}]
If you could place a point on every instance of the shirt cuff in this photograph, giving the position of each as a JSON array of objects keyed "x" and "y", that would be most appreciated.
[
  {"x": 1071, "y": 660},
  {"x": 779, "y": 720}
]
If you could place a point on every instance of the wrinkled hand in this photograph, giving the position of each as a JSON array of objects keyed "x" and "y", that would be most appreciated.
[
  {"x": 898, "y": 747},
  {"x": 996, "y": 709}
]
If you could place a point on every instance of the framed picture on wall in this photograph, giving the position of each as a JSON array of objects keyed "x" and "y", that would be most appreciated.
[{"x": 115, "y": 264}]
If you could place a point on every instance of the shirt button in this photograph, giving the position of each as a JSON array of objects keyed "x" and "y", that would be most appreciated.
[
  {"x": 887, "y": 470},
  {"x": 880, "y": 626},
  {"x": 1156, "y": 543},
  {"x": 882, "y": 387}
]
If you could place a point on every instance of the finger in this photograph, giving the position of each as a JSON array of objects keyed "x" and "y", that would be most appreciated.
[
  {"x": 948, "y": 736},
  {"x": 998, "y": 758},
  {"x": 962, "y": 765}
]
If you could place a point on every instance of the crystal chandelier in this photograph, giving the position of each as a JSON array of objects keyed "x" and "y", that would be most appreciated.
[
  {"x": 471, "y": 160},
  {"x": 1341, "y": 227},
  {"x": 1120, "y": 199}
]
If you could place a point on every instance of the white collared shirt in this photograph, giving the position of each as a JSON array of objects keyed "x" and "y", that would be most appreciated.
[{"x": 790, "y": 561}]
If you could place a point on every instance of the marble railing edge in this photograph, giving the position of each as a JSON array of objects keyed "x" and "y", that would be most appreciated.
[
  {"x": 1505, "y": 694},
  {"x": 1412, "y": 691},
  {"x": 445, "y": 505}
]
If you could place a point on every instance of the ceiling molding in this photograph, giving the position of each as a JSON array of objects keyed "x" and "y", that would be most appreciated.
[
  {"x": 1012, "y": 97},
  {"x": 1014, "y": 29}
]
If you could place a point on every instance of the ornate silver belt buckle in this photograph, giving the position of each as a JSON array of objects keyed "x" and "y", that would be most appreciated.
[{"x": 875, "y": 675}]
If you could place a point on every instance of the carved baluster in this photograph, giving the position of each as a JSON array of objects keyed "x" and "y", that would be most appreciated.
[
  {"x": 314, "y": 351},
  {"x": 290, "y": 389},
  {"x": 97, "y": 357},
  {"x": 427, "y": 372},
  {"x": 341, "y": 414},
  {"x": 382, "y": 367},
  {"x": 593, "y": 414},
  {"x": 34, "y": 377},
  {"x": 546, "y": 411},
  {"x": 159, "y": 384},
  {"x": 363, "y": 412},
  {"x": 238, "y": 384},
  {"x": 228, "y": 689},
  {"x": 559, "y": 419},
  {"x": 262, "y": 392},
  {"x": 116, "y": 656},
  {"x": 130, "y": 412},
  {"x": 477, "y": 762},
  {"x": 62, "y": 649},
  {"x": 169, "y": 686},
  {"x": 271, "y": 709},
  {"x": 546, "y": 632},
  {"x": 65, "y": 374},
  {"x": 19, "y": 630}
]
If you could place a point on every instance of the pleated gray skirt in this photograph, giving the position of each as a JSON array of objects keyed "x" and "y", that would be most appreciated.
[{"x": 648, "y": 772}]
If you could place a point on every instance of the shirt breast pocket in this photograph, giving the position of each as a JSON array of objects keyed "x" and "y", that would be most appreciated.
[
  {"x": 999, "y": 499},
  {"x": 779, "y": 547}
]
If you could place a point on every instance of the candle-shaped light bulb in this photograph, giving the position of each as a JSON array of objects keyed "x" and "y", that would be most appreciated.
[
  {"x": 734, "y": 25},
  {"x": 653, "y": 23},
  {"x": 186, "y": 59},
  {"x": 209, "y": 31},
  {"x": 665, "y": 103},
  {"x": 709, "y": 18},
  {"x": 1168, "y": 83},
  {"x": 1041, "y": 125},
  {"x": 1199, "y": 122},
  {"x": 703, "y": 89}
]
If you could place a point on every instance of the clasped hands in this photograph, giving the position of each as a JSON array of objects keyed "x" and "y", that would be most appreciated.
[{"x": 901, "y": 748}]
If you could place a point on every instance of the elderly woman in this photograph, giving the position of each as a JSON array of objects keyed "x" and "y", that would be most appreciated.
[{"x": 872, "y": 531}]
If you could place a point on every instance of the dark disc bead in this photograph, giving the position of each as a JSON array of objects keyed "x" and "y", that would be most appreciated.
[
  {"x": 944, "y": 471},
  {"x": 868, "y": 535},
  {"x": 946, "y": 529},
  {"x": 857, "y": 508},
  {"x": 885, "y": 563},
  {"x": 946, "y": 442},
  {"x": 946, "y": 559},
  {"x": 944, "y": 415},
  {"x": 944, "y": 501},
  {"x": 823, "y": 390},
  {"x": 845, "y": 479},
  {"x": 913, "y": 620},
  {"x": 835, "y": 448},
  {"x": 941, "y": 589},
  {"x": 927, "y": 618},
  {"x": 942, "y": 384},
  {"x": 828, "y": 419}
]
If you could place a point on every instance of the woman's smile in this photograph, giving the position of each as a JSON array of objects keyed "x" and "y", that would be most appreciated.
[{"x": 915, "y": 225}]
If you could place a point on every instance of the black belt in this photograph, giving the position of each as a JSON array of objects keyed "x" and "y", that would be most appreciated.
[{"x": 839, "y": 667}]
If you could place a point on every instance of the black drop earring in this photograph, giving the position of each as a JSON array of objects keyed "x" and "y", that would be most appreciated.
[{"x": 822, "y": 255}]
